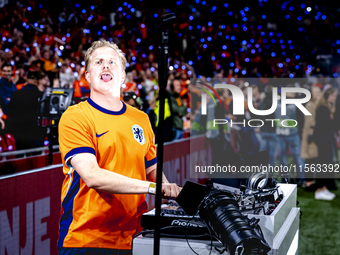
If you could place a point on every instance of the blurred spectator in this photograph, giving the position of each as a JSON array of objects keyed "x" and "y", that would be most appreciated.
[
  {"x": 66, "y": 76},
  {"x": 150, "y": 111},
  {"x": 222, "y": 151},
  {"x": 178, "y": 107},
  {"x": 168, "y": 132},
  {"x": 249, "y": 141},
  {"x": 21, "y": 76},
  {"x": 216, "y": 136},
  {"x": 2, "y": 59},
  {"x": 22, "y": 113},
  {"x": 257, "y": 99},
  {"x": 325, "y": 127},
  {"x": 131, "y": 99},
  {"x": 50, "y": 63},
  {"x": 7, "y": 87},
  {"x": 269, "y": 139},
  {"x": 288, "y": 134},
  {"x": 309, "y": 150},
  {"x": 82, "y": 85},
  {"x": 43, "y": 81},
  {"x": 35, "y": 64},
  {"x": 256, "y": 96},
  {"x": 149, "y": 84},
  {"x": 130, "y": 84}
]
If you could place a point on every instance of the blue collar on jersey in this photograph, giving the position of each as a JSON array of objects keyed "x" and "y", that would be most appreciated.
[{"x": 99, "y": 108}]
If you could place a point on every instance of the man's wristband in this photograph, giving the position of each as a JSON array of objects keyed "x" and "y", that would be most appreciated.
[{"x": 152, "y": 188}]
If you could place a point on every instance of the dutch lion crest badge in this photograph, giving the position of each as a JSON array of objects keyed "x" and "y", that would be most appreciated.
[{"x": 138, "y": 134}]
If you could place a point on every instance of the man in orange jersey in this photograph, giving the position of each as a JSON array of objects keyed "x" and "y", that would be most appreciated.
[{"x": 109, "y": 159}]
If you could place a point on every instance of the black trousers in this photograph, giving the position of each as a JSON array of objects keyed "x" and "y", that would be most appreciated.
[{"x": 223, "y": 154}]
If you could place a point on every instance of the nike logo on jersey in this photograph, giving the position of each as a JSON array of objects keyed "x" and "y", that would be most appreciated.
[{"x": 101, "y": 134}]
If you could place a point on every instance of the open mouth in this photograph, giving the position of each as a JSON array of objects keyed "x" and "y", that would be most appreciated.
[{"x": 106, "y": 77}]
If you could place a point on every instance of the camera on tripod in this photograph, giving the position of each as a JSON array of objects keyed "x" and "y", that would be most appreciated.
[{"x": 53, "y": 104}]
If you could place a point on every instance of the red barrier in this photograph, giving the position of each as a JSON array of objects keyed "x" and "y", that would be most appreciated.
[
  {"x": 30, "y": 201},
  {"x": 29, "y": 163},
  {"x": 29, "y": 212}
]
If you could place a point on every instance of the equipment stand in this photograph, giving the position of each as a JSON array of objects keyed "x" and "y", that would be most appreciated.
[{"x": 166, "y": 22}]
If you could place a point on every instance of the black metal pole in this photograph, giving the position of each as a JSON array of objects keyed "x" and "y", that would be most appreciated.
[{"x": 166, "y": 22}]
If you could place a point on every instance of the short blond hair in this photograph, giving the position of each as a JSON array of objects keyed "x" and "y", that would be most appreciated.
[{"x": 99, "y": 44}]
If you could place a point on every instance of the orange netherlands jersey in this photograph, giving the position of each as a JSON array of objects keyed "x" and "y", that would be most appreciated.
[{"x": 123, "y": 142}]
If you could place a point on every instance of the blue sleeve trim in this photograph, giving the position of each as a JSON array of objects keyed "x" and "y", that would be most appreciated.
[
  {"x": 67, "y": 204},
  {"x": 75, "y": 151},
  {"x": 150, "y": 162}
]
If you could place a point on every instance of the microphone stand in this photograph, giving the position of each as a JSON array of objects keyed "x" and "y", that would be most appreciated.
[{"x": 166, "y": 22}]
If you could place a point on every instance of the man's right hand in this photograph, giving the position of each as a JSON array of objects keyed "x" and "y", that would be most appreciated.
[{"x": 170, "y": 190}]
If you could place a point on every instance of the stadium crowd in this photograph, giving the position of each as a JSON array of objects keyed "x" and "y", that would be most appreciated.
[{"x": 43, "y": 44}]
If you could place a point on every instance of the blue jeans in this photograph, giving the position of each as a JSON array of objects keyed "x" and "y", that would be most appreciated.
[
  {"x": 269, "y": 143},
  {"x": 293, "y": 143},
  {"x": 178, "y": 134},
  {"x": 249, "y": 144}
]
